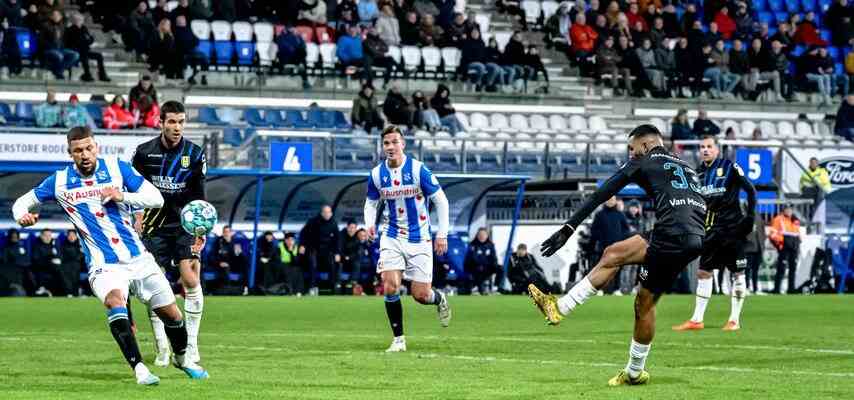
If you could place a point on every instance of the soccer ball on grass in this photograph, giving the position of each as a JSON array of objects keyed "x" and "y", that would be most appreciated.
[{"x": 198, "y": 218}]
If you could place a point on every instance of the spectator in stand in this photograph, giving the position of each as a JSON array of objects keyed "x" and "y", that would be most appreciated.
[
  {"x": 396, "y": 108},
  {"x": 494, "y": 57},
  {"x": 368, "y": 12},
  {"x": 441, "y": 102},
  {"x": 671, "y": 21},
  {"x": 838, "y": 18},
  {"x": 78, "y": 38},
  {"x": 312, "y": 13},
  {"x": 583, "y": 39},
  {"x": 425, "y": 7},
  {"x": 160, "y": 11},
  {"x": 612, "y": 13},
  {"x": 203, "y": 9},
  {"x": 815, "y": 182},
  {"x": 807, "y": 32},
  {"x": 410, "y": 32},
  {"x": 139, "y": 30},
  {"x": 514, "y": 55},
  {"x": 73, "y": 262},
  {"x": 680, "y": 129},
  {"x": 182, "y": 9},
  {"x": 388, "y": 27},
  {"x": 665, "y": 58},
  {"x": 739, "y": 64},
  {"x": 535, "y": 66},
  {"x": 632, "y": 63},
  {"x": 293, "y": 271},
  {"x": 634, "y": 16},
  {"x": 49, "y": 113},
  {"x": 481, "y": 262},
  {"x": 646, "y": 56},
  {"x": 471, "y": 21},
  {"x": 556, "y": 28},
  {"x": 524, "y": 270},
  {"x": 365, "y": 114},
  {"x": 728, "y": 81},
  {"x": 164, "y": 53},
  {"x": 818, "y": 68},
  {"x": 292, "y": 51},
  {"x": 344, "y": 7},
  {"x": 47, "y": 7},
  {"x": 473, "y": 63},
  {"x": 143, "y": 88},
  {"x": 703, "y": 126},
  {"x": 786, "y": 237},
  {"x": 761, "y": 67},
  {"x": 349, "y": 49},
  {"x": 609, "y": 226},
  {"x": 512, "y": 8},
  {"x": 684, "y": 65},
  {"x": 45, "y": 265},
  {"x": 424, "y": 116},
  {"x": 347, "y": 20},
  {"x": 780, "y": 61},
  {"x": 56, "y": 56},
  {"x": 429, "y": 34},
  {"x": 16, "y": 264},
  {"x": 603, "y": 30},
  {"x": 148, "y": 112},
  {"x": 689, "y": 17},
  {"x": 185, "y": 46},
  {"x": 726, "y": 25},
  {"x": 10, "y": 55},
  {"x": 623, "y": 28},
  {"x": 743, "y": 22},
  {"x": 650, "y": 13},
  {"x": 844, "y": 126},
  {"x": 319, "y": 244},
  {"x": 657, "y": 34},
  {"x": 12, "y": 12},
  {"x": 457, "y": 32},
  {"x": 783, "y": 36},
  {"x": 76, "y": 115},
  {"x": 269, "y": 264},
  {"x": 639, "y": 33},
  {"x": 375, "y": 53},
  {"x": 228, "y": 258},
  {"x": 115, "y": 115}
]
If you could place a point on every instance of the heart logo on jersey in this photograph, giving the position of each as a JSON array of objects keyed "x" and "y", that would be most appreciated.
[
  {"x": 100, "y": 214},
  {"x": 419, "y": 197},
  {"x": 400, "y": 210},
  {"x": 70, "y": 209},
  {"x": 115, "y": 240},
  {"x": 423, "y": 217},
  {"x": 127, "y": 222},
  {"x": 396, "y": 182},
  {"x": 89, "y": 183}
]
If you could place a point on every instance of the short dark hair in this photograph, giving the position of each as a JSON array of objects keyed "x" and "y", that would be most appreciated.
[
  {"x": 710, "y": 136},
  {"x": 78, "y": 133},
  {"x": 391, "y": 129},
  {"x": 45, "y": 230},
  {"x": 289, "y": 235},
  {"x": 644, "y": 130},
  {"x": 171, "y": 106}
]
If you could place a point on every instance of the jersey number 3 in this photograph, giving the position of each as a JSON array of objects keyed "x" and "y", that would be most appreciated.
[{"x": 682, "y": 182}]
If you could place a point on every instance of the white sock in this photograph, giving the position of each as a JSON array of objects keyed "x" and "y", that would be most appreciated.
[
  {"x": 579, "y": 293},
  {"x": 193, "y": 304},
  {"x": 739, "y": 292},
  {"x": 637, "y": 358},
  {"x": 161, "y": 341},
  {"x": 704, "y": 291}
]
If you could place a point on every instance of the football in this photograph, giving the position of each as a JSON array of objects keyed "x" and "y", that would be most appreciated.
[{"x": 198, "y": 217}]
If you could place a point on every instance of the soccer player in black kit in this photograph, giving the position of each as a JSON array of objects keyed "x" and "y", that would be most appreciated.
[
  {"x": 727, "y": 228},
  {"x": 663, "y": 252},
  {"x": 177, "y": 168}
]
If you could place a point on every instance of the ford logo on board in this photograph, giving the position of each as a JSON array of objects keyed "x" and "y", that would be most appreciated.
[{"x": 840, "y": 170}]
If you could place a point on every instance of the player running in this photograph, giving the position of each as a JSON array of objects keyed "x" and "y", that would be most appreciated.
[
  {"x": 726, "y": 232},
  {"x": 97, "y": 195},
  {"x": 405, "y": 252},
  {"x": 177, "y": 168},
  {"x": 675, "y": 240}
]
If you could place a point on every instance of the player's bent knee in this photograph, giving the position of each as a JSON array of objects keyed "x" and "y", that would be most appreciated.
[
  {"x": 169, "y": 313},
  {"x": 701, "y": 274},
  {"x": 114, "y": 299}
]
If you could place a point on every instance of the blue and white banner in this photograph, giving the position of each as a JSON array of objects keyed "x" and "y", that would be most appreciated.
[
  {"x": 290, "y": 156},
  {"x": 42, "y": 148}
]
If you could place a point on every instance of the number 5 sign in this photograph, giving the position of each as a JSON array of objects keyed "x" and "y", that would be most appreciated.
[{"x": 757, "y": 164}]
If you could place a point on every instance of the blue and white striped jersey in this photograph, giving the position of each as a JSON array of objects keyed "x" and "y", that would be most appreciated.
[
  {"x": 106, "y": 230},
  {"x": 405, "y": 190}
]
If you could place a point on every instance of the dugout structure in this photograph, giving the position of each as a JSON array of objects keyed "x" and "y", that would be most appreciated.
[{"x": 255, "y": 201}]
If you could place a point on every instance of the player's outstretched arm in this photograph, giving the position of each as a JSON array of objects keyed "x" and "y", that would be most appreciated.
[
  {"x": 21, "y": 209},
  {"x": 608, "y": 189},
  {"x": 371, "y": 208},
  {"x": 146, "y": 196}
]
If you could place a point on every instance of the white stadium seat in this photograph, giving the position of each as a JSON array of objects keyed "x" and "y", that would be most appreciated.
[
  {"x": 483, "y": 19},
  {"x": 558, "y": 123},
  {"x": 542, "y": 139},
  {"x": 202, "y": 29},
  {"x": 327, "y": 55},
  {"x": 264, "y": 31},
  {"x": 425, "y": 138},
  {"x": 499, "y": 121},
  {"x": 502, "y": 37},
  {"x": 451, "y": 57},
  {"x": 411, "y": 57},
  {"x": 444, "y": 140},
  {"x": 768, "y": 129},
  {"x": 519, "y": 123},
  {"x": 432, "y": 57},
  {"x": 221, "y": 30},
  {"x": 485, "y": 145},
  {"x": 464, "y": 121},
  {"x": 267, "y": 53},
  {"x": 660, "y": 124},
  {"x": 577, "y": 123},
  {"x": 731, "y": 124},
  {"x": 480, "y": 122},
  {"x": 549, "y": 8},
  {"x": 532, "y": 10},
  {"x": 242, "y": 31},
  {"x": 525, "y": 142},
  {"x": 582, "y": 147},
  {"x": 804, "y": 130},
  {"x": 597, "y": 124},
  {"x": 747, "y": 128},
  {"x": 394, "y": 53},
  {"x": 563, "y": 146},
  {"x": 785, "y": 129},
  {"x": 540, "y": 123},
  {"x": 312, "y": 54}
]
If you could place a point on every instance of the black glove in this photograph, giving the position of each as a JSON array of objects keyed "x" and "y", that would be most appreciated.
[
  {"x": 556, "y": 241},
  {"x": 745, "y": 226}
]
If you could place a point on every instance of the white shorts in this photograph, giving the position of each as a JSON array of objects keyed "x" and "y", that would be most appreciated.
[
  {"x": 414, "y": 259},
  {"x": 141, "y": 277}
]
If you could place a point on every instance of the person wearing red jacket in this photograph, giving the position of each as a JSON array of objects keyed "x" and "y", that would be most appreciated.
[
  {"x": 786, "y": 237},
  {"x": 726, "y": 25},
  {"x": 116, "y": 116},
  {"x": 807, "y": 34},
  {"x": 583, "y": 38}
]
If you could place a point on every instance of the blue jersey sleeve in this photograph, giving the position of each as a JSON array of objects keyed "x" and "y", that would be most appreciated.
[
  {"x": 132, "y": 179},
  {"x": 429, "y": 183},
  {"x": 373, "y": 192},
  {"x": 46, "y": 190}
]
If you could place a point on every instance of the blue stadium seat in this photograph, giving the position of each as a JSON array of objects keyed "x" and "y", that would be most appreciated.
[
  {"x": 7, "y": 114},
  {"x": 833, "y": 53},
  {"x": 766, "y": 18},
  {"x": 839, "y": 68},
  {"x": 206, "y": 48},
  {"x": 824, "y": 5},
  {"x": 772, "y": 30},
  {"x": 274, "y": 118},
  {"x": 24, "y": 114},
  {"x": 760, "y": 5},
  {"x": 817, "y": 20},
  {"x": 775, "y": 5},
  {"x": 294, "y": 118},
  {"x": 253, "y": 117},
  {"x": 207, "y": 115},
  {"x": 209, "y": 275},
  {"x": 224, "y": 52},
  {"x": 809, "y": 5},
  {"x": 234, "y": 277},
  {"x": 245, "y": 52},
  {"x": 798, "y": 50},
  {"x": 341, "y": 121},
  {"x": 781, "y": 16},
  {"x": 793, "y": 6},
  {"x": 26, "y": 43},
  {"x": 94, "y": 110},
  {"x": 321, "y": 119},
  {"x": 232, "y": 136},
  {"x": 824, "y": 35}
]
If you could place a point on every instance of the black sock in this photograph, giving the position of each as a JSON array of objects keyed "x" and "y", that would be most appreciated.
[
  {"x": 394, "y": 310},
  {"x": 177, "y": 334},
  {"x": 120, "y": 327},
  {"x": 437, "y": 297}
]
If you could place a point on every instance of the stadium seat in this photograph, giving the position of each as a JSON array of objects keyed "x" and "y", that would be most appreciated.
[
  {"x": 824, "y": 4},
  {"x": 781, "y": 16},
  {"x": 768, "y": 129},
  {"x": 244, "y": 45},
  {"x": 541, "y": 124},
  {"x": 519, "y": 123},
  {"x": 312, "y": 54},
  {"x": 598, "y": 124},
  {"x": 824, "y": 34},
  {"x": 411, "y": 58},
  {"x": 207, "y": 115},
  {"x": 295, "y": 119},
  {"x": 532, "y": 10},
  {"x": 660, "y": 124},
  {"x": 485, "y": 145},
  {"x": 223, "y": 46},
  {"x": 525, "y": 142},
  {"x": 809, "y": 5},
  {"x": 793, "y": 6},
  {"x": 432, "y": 57},
  {"x": 760, "y": 5},
  {"x": 6, "y": 113},
  {"x": 320, "y": 118},
  {"x": 464, "y": 121},
  {"x": 394, "y": 53},
  {"x": 785, "y": 130},
  {"x": 731, "y": 124},
  {"x": 444, "y": 140},
  {"x": 24, "y": 114},
  {"x": 263, "y": 32},
  {"x": 563, "y": 146},
  {"x": 306, "y": 32},
  {"x": 232, "y": 136},
  {"x": 27, "y": 43},
  {"x": 499, "y": 122},
  {"x": 425, "y": 139},
  {"x": 775, "y": 5},
  {"x": 803, "y": 130},
  {"x": 584, "y": 142},
  {"x": 483, "y": 20},
  {"x": 833, "y": 53},
  {"x": 451, "y": 59},
  {"x": 253, "y": 117},
  {"x": 327, "y": 55},
  {"x": 480, "y": 122},
  {"x": 266, "y": 53},
  {"x": 577, "y": 123},
  {"x": 549, "y": 8},
  {"x": 766, "y": 17},
  {"x": 273, "y": 117},
  {"x": 201, "y": 29},
  {"x": 542, "y": 139},
  {"x": 502, "y": 37},
  {"x": 341, "y": 120},
  {"x": 95, "y": 111}
]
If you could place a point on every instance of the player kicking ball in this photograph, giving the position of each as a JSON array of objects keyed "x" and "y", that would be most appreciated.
[
  {"x": 405, "y": 185},
  {"x": 177, "y": 168},
  {"x": 675, "y": 240},
  {"x": 98, "y": 195},
  {"x": 726, "y": 232}
]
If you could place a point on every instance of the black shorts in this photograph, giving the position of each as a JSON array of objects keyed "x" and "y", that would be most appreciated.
[
  {"x": 169, "y": 247},
  {"x": 666, "y": 257},
  {"x": 723, "y": 249}
]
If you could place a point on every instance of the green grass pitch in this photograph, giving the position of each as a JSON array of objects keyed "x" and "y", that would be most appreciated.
[{"x": 791, "y": 347}]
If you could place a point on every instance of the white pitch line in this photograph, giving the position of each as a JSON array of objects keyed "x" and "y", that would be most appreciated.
[{"x": 461, "y": 357}]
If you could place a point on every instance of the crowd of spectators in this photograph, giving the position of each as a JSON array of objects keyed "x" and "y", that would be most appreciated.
[
  {"x": 44, "y": 268},
  {"x": 417, "y": 112}
]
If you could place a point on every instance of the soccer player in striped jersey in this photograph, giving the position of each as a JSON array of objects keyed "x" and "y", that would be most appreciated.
[
  {"x": 405, "y": 185},
  {"x": 98, "y": 195}
]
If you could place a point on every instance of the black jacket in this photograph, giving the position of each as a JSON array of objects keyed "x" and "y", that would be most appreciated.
[
  {"x": 481, "y": 257},
  {"x": 410, "y": 34},
  {"x": 227, "y": 252},
  {"x": 78, "y": 39},
  {"x": 185, "y": 40},
  {"x": 514, "y": 53},
  {"x": 738, "y": 62},
  {"x": 45, "y": 255},
  {"x": 72, "y": 256},
  {"x": 320, "y": 235},
  {"x": 609, "y": 226},
  {"x": 348, "y": 246},
  {"x": 472, "y": 51},
  {"x": 396, "y": 109},
  {"x": 16, "y": 254},
  {"x": 705, "y": 127}
]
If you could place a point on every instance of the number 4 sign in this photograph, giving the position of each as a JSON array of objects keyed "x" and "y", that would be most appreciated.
[{"x": 757, "y": 164}]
